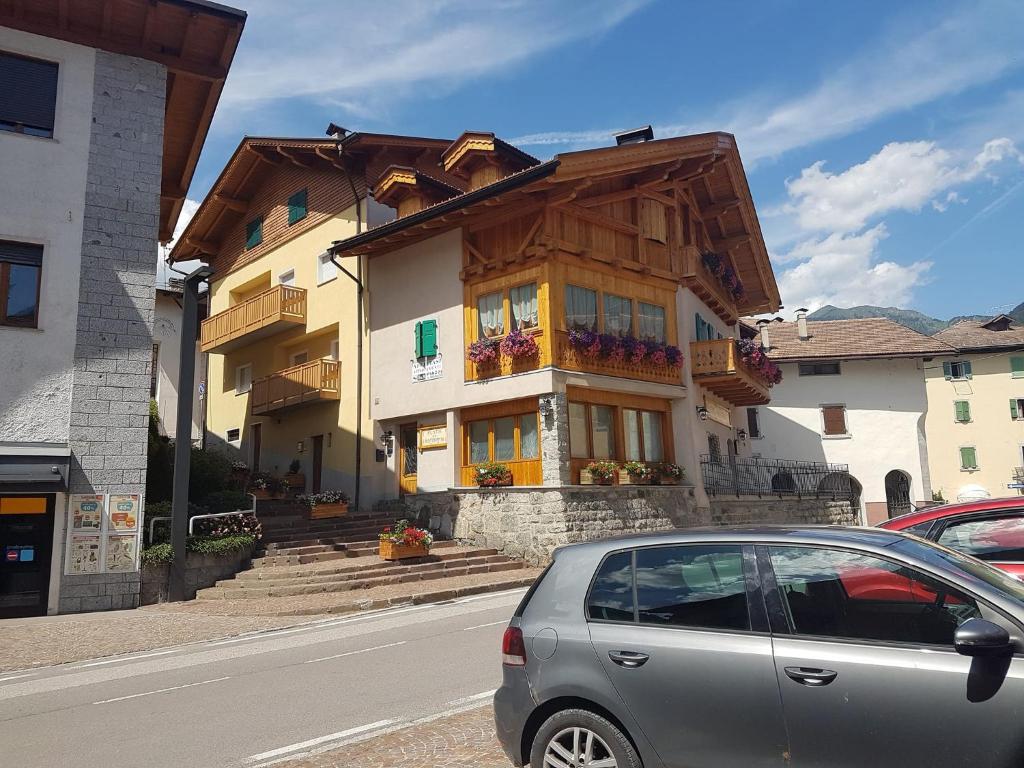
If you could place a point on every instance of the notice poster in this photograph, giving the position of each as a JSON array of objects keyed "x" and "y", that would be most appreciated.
[
  {"x": 124, "y": 511},
  {"x": 84, "y": 556},
  {"x": 121, "y": 553},
  {"x": 87, "y": 511}
]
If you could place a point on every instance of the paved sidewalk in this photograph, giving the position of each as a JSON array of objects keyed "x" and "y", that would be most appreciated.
[{"x": 463, "y": 740}]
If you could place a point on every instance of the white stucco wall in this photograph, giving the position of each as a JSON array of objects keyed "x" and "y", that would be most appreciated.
[
  {"x": 885, "y": 410},
  {"x": 167, "y": 333},
  {"x": 42, "y": 198}
]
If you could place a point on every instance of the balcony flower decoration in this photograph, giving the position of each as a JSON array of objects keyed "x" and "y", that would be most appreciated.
[
  {"x": 637, "y": 470},
  {"x": 586, "y": 341},
  {"x": 754, "y": 357},
  {"x": 602, "y": 470},
  {"x": 483, "y": 351},
  {"x": 493, "y": 475},
  {"x": 628, "y": 349},
  {"x": 726, "y": 275},
  {"x": 518, "y": 345}
]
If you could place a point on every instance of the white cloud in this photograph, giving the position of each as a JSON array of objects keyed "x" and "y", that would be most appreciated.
[{"x": 163, "y": 272}]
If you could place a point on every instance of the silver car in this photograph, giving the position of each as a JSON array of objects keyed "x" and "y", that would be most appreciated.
[{"x": 768, "y": 646}]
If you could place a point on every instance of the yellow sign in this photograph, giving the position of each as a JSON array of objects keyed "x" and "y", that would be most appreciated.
[
  {"x": 23, "y": 505},
  {"x": 433, "y": 436}
]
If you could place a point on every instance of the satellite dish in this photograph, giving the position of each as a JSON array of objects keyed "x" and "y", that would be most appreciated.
[{"x": 973, "y": 493}]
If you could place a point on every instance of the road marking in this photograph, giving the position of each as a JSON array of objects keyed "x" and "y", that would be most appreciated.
[
  {"x": 481, "y": 626},
  {"x": 470, "y": 699},
  {"x": 122, "y": 658},
  {"x": 353, "y": 653},
  {"x": 317, "y": 741},
  {"x": 16, "y": 677},
  {"x": 162, "y": 690}
]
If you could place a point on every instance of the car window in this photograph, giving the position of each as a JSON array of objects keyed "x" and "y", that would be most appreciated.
[
  {"x": 855, "y": 596},
  {"x": 982, "y": 574},
  {"x": 999, "y": 539},
  {"x": 921, "y": 529},
  {"x": 692, "y": 586},
  {"x": 611, "y": 596}
]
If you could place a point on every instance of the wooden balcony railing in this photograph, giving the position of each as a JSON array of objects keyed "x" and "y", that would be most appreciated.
[
  {"x": 706, "y": 286},
  {"x": 266, "y": 313},
  {"x": 313, "y": 382},
  {"x": 570, "y": 358},
  {"x": 717, "y": 366}
]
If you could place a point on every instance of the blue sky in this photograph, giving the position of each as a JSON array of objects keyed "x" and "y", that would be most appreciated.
[{"x": 880, "y": 139}]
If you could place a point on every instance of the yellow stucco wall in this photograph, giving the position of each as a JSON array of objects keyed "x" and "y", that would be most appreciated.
[
  {"x": 331, "y": 314},
  {"x": 998, "y": 439}
]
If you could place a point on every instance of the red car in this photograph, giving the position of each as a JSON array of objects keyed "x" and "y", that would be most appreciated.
[{"x": 991, "y": 530}]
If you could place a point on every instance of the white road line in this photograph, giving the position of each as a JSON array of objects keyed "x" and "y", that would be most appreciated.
[
  {"x": 121, "y": 658},
  {"x": 481, "y": 626},
  {"x": 317, "y": 741},
  {"x": 470, "y": 699},
  {"x": 162, "y": 690},
  {"x": 16, "y": 677},
  {"x": 353, "y": 653}
]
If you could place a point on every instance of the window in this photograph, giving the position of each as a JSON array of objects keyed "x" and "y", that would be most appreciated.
[
  {"x": 1017, "y": 408},
  {"x": 611, "y": 596},
  {"x": 1017, "y": 367},
  {"x": 504, "y": 439},
  {"x": 491, "y": 311},
  {"x": 957, "y": 370},
  {"x": 479, "y": 442},
  {"x": 297, "y": 207},
  {"x": 253, "y": 233},
  {"x": 651, "y": 321},
  {"x": 325, "y": 269},
  {"x": 702, "y": 328},
  {"x": 20, "y": 267},
  {"x": 425, "y": 338},
  {"x": 529, "y": 438},
  {"x": 968, "y": 458},
  {"x": 580, "y": 308},
  {"x": 299, "y": 358},
  {"x": 849, "y": 595},
  {"x": 753, "y": 423},
  {"x": 692, "y": 586},
  {"x": 28, "y": 101},
  {"x": 287, "y": 278},
  {"x": 334, "y": 349},
  {"x": 962, "y": 411},
  {"x": 154, "y": 370},
  {"x": 833, "y": 420},
  {"x": 602, "y": 431},
  {"x": 818, "y": 369},
  {"x": 643, "y": 435},
  {"x": 618, "y": 315},
  {"x": 522, "y": 300},
  {"x": 234, "y": 435},
  {"x": 243, "y": 379},
  {"x": 579, "y": 444},
  {"x": 994, "y": 540},
  {"x": 714, "y": 448}
]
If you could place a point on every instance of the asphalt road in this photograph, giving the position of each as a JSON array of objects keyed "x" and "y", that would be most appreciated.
[{"x": 252, "y": 700}]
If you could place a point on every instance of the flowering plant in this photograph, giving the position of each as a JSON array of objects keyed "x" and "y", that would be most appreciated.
[
  {"x": 404, "y": 535},
  {"x": 518, "y": 345},
  {"x": 239, "y": 466},
  {"x": 667, "y": 469},
  {"x": 726, "y": 275},
  {"x": 483, "y": 351},
  {"x": 629, "y": 349},
  {"x": 493, "y": 474},
  {"x": 264, "y": 481},
  {"x": 754, "y": 357},
  {"x": 324, "y": 497},
  {"x": 602, "y": 470},
  {"x": 636, "y": 469},
  {"x": 587, "y": 341}
]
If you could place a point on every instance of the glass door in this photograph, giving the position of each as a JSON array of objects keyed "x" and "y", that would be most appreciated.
[{"x": 26, "y": 543}]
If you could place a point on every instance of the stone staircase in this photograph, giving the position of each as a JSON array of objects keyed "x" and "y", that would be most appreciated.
[{"x": 331, "y": 566}]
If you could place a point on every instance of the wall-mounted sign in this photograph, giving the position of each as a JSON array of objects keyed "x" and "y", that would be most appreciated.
[
  {"x": 87, "y": 511},
  {"x": 121, "y": 553},
  {"x": 433, "y": 436},
  {"x": 124, "y": 511},
  {"x": 425, "y": 369},
  {"x": 103, "y": 533},
  {"x": 84, "y": 554},
  {"x": 718, "y": 411}
]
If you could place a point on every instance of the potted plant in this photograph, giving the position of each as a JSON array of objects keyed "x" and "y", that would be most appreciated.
[
  {"x": 598, "y": 473},
  {"x": 402, "y": 541},
  {"x": 483, "y": 352},
  {"x": 634, "y": 473},
  {"x": 325, "y": 504},
  {"x": 264, "y": 485},
  {"x": 493, "y": 475},
  {"x": 667, "y": 473},
  {"x": 295, "y": 478},
  {"x": 519, "y": 345}
]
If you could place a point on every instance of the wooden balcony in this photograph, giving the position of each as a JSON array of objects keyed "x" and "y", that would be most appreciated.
[
  {"x": 706, "y": 286},
  {"x": 272, "y": 311},
  {"x": 568, "y": 357},
  {"x": 717, "y": 366},
  {"x": 317, "y": 381}
]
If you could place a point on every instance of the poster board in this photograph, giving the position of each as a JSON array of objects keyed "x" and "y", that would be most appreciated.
[
  {"x": 84, "y": 555},
  {"x": 103, "y": 533},
  {"x": 87, "y": 511}
]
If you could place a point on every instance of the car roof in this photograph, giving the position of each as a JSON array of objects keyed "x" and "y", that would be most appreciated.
[
  {"x": 747, "y": 534},
  {"x": 948, "y": 510}
]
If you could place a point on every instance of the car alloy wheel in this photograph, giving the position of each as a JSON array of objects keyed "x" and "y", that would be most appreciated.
[{"x": 578, "y": 748}]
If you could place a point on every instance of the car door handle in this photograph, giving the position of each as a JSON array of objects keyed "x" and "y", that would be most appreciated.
[
  {"x": 811, "y": 676},
  {"x": 629, "y": 659}
]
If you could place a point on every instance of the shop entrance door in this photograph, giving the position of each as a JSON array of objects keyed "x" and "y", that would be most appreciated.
[
  {"x": 408, "y": 457},
  {"x": 26, "y": 545}
]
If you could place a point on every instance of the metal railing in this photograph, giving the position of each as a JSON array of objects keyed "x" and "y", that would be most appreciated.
[
  {"x": 734, "y": 476},
  {"x": 1018, "y": 474},
  {"x": 192, "y": 520}
]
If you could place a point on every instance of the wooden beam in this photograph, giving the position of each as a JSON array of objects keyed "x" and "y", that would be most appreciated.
[
  {"x": 719, "y": 208},
  {"x": 653, "y": 195},
  {"x": 232, "y": 203},
  {"x": 148, "y": 25},
  {"x": 596, "y": 218},
  {"x": 529, "y": 235},
  {"x": 293, "y": 159},
  {"x": 170, "y": 191},
  {"x": 269, "y": 160},
  {"x": 610, "y": 197},
  {"x": 333, "y": 160},
  {"x": 203, "y": 245},
  {"x": 728, "y": 243}
]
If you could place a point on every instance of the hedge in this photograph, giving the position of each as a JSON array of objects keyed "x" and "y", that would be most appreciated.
[{"x": 203, "y": 545}]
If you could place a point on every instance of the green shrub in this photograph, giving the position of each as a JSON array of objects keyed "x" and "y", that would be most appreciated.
[
  {"x": 210, "y": 472},
  {"x": 226, "y": 501},
  {"x": 205, "y": 545}
]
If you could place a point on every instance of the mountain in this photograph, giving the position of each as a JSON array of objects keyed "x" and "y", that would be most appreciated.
[{"x": 911, "y": 318}]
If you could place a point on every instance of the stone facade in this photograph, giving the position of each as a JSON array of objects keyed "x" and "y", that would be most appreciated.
[
  {"x": 782, "y": 511},
  {"x": 554, "y": 440},
  {"x": 110, "y": 390},
  {"x": 201, "y": 571}
]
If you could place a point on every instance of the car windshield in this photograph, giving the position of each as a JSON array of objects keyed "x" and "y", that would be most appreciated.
[{"x": 975, "y": 569}]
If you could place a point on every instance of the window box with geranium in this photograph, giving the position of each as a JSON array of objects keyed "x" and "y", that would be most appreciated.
[
  {"x": 724, "y": 273},
  {"x": 402, "y": 541},
  {"x": 325, "y": 504},
  {"x": 667, "y": 474},
  {"x": 519, "y": 345},
  {"x": 634, "y": 473},
  {"x": 598, "y": 473},
  {"x": 493, "y": 475},
  {"x": 757, "y": 361},
  {"x": 484, "y": 352},
  {"x": 625, "y": 349}
]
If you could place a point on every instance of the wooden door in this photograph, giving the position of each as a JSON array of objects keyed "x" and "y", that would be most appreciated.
[
  {"x": 318, "y": 462},
  {"x": 408, "y": 458},
  {"x": 256, "y": 432}
]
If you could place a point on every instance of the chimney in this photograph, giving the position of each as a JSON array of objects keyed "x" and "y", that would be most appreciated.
[
  {"x": 634, "y": 136},
  {"x": 762, "y": 326},
  {"x": 801, "y": 324}
]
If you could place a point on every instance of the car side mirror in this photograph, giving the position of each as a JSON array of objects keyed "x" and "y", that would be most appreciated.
[{"x": 980, "y": 637}]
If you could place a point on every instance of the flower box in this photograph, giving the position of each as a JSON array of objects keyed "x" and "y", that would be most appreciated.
[
  {"x": 296, "y": 482},
  {"x": 263, "y": 493},
  {"x": 664, "y": 480},
  {"x": 589, "y": 478},
  {"x": 627, "y": 479},
  {"x": 391, "y": 551},
  {"x": 327, "y": 510}
]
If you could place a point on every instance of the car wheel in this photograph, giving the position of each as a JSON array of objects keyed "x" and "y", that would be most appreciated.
[{"x": 576, "y": 738}]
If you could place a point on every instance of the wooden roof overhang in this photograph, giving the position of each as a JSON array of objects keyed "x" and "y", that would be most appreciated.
[
  {"x": 194, "y": 39},
  {"x": 258, "y": 156}
]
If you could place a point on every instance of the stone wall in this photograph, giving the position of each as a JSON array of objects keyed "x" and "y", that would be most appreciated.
[
  {"x": 750, "y": 511},
  {"x": 554, "y": 440},
  {"x": 113, "y": 344},
  {"x": 201, "y": 571}
]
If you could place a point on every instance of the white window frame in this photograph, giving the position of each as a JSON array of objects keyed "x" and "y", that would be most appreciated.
[
  {"x": 287, "y": 278},
  {"x": 322, "y": 276},
  {"x": 238, "y": 379},
  {"x": 846, "y": 420},
  {"x": 335, "y": 349},
  {"x": 960, "y": 460},
  {"x": 292, "y": 358}
]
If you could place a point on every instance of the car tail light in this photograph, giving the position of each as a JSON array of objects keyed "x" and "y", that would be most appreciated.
[{"x": 513, "y": 648}]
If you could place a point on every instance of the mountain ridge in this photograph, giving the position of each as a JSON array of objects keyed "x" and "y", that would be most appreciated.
[{"x": 910, "y": 318}]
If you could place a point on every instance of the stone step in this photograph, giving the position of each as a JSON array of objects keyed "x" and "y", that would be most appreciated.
[
  {"x": 367, "y": 564},
  {"x": 305, "y": 524},
  {"x": 340, "y": 552},
  {"x": 312, "y": 538}
]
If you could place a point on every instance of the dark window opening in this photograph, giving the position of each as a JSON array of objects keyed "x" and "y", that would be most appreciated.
[
  {"x": 21, "y": 266},
  {"x": 28, "y": 100},
  {"x": 819, "y": 369}
]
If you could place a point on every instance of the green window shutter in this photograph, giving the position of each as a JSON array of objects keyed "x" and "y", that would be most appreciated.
[
  {"x": 418, "y": 340},
  {"x": 947, "y": 370},
  {"x": 297, "y": 206},
  {"x": 254, "y": 233},
  {"x": 967, "y": 369},
  {"x": 968, "y": 458},
  {"x": 428, "y": 338},
  {"x": 963, "y": 410},
  {"x": 1014, "y": 410},
  {"x": 1017, "y": 367}
]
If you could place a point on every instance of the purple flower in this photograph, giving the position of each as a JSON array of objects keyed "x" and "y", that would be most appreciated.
[
  {"x": 518, "y": 345},
  {"x": 483, "y": 351}
]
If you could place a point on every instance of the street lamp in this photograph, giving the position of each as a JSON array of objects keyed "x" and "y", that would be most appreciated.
[{"x": 702, "y": 412}]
